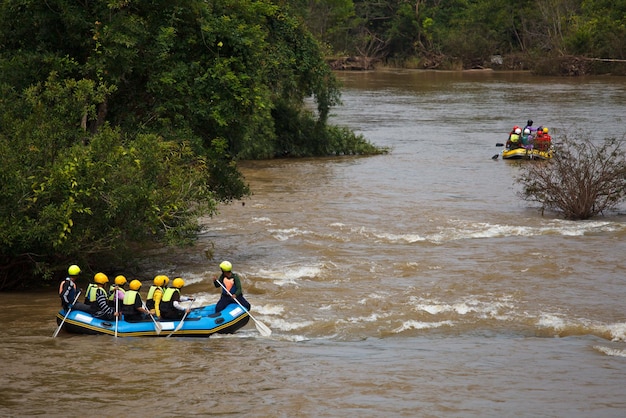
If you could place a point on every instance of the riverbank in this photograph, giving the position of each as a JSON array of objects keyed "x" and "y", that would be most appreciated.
[{"x": 558, "y": 65}]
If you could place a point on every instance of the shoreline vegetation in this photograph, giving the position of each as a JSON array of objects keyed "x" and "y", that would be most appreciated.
[
  {"x": 566, "y": 65},
  {"x": 560, "y": 37},
  {"x": 122, "y": 126}
]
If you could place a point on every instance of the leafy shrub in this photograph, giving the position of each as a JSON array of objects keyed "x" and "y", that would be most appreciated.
[{"x": 582, "y": 180}]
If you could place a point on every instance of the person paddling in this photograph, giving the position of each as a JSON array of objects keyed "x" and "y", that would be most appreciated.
[
  {"x": 133, "y": 307},
  {"x": 100, "y": 307},
  {"x": 117, "y": 292},
  {"x": 68, "y": 289},
  {"x": 90, "y": 293},
  {"x": 170, "y": 302},
  {"x": 155, "y": 294},
  {"x": 231, "y": 287}
]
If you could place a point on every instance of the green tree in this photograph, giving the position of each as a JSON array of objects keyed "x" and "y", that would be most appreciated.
[
  {"x": 134, "y": 113},
  {"x": 598, "y": 30},
  {"x": 63, "y": 198},
  {"x": 441, "y": 34},
  {"x": 329, "y": 21}
]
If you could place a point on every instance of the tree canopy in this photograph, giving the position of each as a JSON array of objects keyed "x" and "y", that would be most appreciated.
[
  {"x": 121, "y": 121},
  {"x": 465, "y": 34}
]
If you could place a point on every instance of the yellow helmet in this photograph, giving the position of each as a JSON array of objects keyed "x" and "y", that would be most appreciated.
[
  {"x": 226, "y": 266},
  {"x": 178, "y": 283},
  {"x": 101, "y": 278},
  {"x": 166, "y": 280},
  {"x": 135, "y": 285},
  {"x": 545, "y": 130},
  {"x": 159, "y": 280},
  {"x": 120, "y": 280},
  {"x": 74, "y": 270}
]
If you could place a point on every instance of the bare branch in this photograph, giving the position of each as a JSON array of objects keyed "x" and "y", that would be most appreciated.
[{"x": 584, "y": 178}]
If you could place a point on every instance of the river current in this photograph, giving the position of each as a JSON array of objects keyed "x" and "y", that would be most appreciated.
[{"x": 415, "y": 283}]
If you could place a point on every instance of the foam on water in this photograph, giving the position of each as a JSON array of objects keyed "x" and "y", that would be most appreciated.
[
  {"x": 462, "y": 230},
  {"x": 551, "y": 321},
  {"x": 489, "y": 308},
  {"x": 459, "y": 229},
  {"x": 294, "y": 338},
  {"x": 203, "y": 298},
  {"x": 410, "y": 238},
  {"x": 269, "y": 309},
  {"x": 289, "y": 273},
  {"x": 191, "y": 278},
  {"x": 450, "y": 230},
  {"x": 287, "y": 324},
  {"x": 613, "y": 352},
  {"x": 408, "y": 325},
  {"x": 286, "y": 234},
  {"x": 372, "y": 296},
  {"x": 370, "y": 318},
  {"x": 262, "y": 219},
  {"x": 617, "y": 331}
]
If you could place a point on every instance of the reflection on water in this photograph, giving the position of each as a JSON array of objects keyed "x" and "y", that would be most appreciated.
[{"x": 409, "y": 284}]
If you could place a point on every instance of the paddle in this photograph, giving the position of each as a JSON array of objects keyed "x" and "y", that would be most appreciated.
[
  {"x": 157, "y": 327},
  {"x": 180, "y": 324},
  {"x": 261, "y": 327},
  {"x": 116, "y": 310},
  {"x": 65, "y": 317},
  {"x": 498, "y": 144}
]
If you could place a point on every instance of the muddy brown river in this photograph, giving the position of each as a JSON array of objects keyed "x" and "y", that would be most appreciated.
[{"x": 410, "y": 284}]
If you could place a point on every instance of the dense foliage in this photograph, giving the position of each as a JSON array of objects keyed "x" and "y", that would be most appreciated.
[
  {"x": 582, "y": 180},
  {"x": 462, "y": 33},
  {"x": 121, "y": 121}
]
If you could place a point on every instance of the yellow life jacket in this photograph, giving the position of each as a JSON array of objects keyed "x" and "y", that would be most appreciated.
[
  {"x": 151, "y": 291},
  {"x": 130, "y": 297},
  {"x": 169, "y": 292},
  {"x": 91, "y": 294}
]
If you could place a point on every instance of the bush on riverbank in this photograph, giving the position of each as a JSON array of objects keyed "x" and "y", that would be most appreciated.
[
  {"x": 122, "y": 123},
  {"x": 583, "y": 179},
  {"x": 537, "y": 64}
]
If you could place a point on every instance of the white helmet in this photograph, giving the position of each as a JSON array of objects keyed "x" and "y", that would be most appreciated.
[
  {"x": 526, "y": 131},
  {"x": 518, "y": 131}
]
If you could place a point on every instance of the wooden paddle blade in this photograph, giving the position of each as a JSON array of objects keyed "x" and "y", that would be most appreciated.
[
  {"x": 263, "y": 329},
  {"x": 57, "y": 330},
  {"x": 175, "y": 329},
  {"x": 65, "y": 317},
  {"x": 179, "y": 326}
]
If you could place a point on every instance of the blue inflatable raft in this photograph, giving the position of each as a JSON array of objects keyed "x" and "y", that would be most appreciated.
[{"x": 200, "y": 322}]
